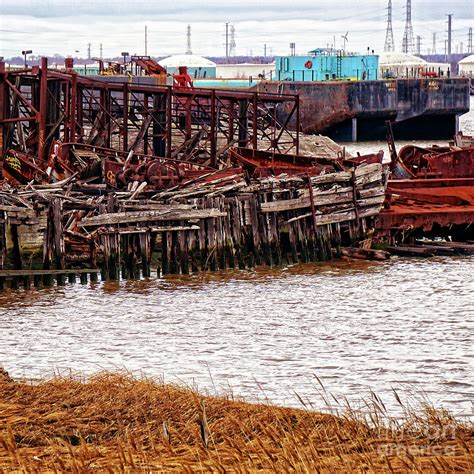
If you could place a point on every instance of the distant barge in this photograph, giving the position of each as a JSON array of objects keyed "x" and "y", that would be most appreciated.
[{"x": 422, "y": 109}]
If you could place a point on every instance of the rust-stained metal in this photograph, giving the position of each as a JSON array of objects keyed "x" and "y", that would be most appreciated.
[
  {"x": 263, "y": 163},
  {"x": 419, "y": 206},
  {"x": 40, "y": 106},
  {"x": 434, "y": 162}
]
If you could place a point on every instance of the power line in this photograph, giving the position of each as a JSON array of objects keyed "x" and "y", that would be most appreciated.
[{"x": 389, "y": 43}]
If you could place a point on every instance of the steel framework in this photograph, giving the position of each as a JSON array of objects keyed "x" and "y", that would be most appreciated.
[{"x": 39, "y": 105}]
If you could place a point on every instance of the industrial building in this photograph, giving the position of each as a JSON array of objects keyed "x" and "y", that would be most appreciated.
[
  {"x": 327, "y": 65},
  {"x": 245, "y": 71},
  {"x": 466, "y": 66},
  {"x": 404, "y": 65},
  {"x": 198, "y": 67}
]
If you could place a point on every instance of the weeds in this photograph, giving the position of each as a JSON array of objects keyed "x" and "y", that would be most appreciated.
[{"x": 115, "y": 422}]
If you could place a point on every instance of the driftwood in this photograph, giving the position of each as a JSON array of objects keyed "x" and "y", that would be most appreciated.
[{"x": 365, "y": 254}]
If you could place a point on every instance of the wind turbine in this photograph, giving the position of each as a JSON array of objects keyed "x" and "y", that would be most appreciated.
[{"x": 344, "y": 37}]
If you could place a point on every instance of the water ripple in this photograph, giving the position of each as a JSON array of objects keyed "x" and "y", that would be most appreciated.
[{"x": 357, "y": 327}]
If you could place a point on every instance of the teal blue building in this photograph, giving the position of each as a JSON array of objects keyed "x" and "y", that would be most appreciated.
[{"x": 327, "y": 65}]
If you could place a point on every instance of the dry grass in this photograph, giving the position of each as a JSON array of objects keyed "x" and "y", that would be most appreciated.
[{"x": 115, "y": 423}]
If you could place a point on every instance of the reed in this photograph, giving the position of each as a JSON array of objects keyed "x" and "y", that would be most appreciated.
[{"x": 118, "y": 423}]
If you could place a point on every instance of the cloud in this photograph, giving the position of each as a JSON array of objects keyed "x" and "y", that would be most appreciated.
[{"x": 63, "y": 26}]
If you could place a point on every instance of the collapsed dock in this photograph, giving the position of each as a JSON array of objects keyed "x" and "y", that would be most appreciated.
[{"x": 130, "y": 180}]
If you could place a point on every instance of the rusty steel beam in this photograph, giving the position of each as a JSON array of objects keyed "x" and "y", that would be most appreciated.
[{"x": 43, "y": 109}]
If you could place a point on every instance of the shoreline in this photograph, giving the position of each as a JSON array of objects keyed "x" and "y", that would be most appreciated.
[{"x": 114, "y": 421}]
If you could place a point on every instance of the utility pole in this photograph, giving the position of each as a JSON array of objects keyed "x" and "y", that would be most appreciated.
[
  {"x": 450, "y": 31},
  {"x": 433, "y": 51},
  {"x": 227, "y": 40},
  {"x": 389, "y": 43},
  {"x": 408, "y": 44},
  {"x": 469, "y": 41},
  {"x": 100, "y": 55},
  {"x": 188, "y": 40},
  {"x": 146, "y": 41},
  {"x": 265, "y": 50},
  {"x": 88, "y": 50}
]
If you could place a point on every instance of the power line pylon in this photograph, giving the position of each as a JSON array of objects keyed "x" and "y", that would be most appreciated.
[
  {"x": 408, "y": 45},
  {"x": 232, "y": 46},
  {"x": 188, "y": 40},
  {"x": 389, "y": 43},
  {"x": 450, "y": 33},
  {"x": 469, "y": 41}
]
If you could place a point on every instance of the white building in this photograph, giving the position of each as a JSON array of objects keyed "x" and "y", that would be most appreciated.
[
  {"x": 198, "y": 67},
  {"x": 394, "y": 64},
  {"x": 466, "y": 66},
  {"x": 245, "y": 71}
]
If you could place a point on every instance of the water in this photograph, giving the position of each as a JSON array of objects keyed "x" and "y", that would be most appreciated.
[{"x": 405, "y": 324}]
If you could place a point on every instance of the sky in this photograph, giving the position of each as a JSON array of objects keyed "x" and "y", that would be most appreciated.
[{"x": 66, "y": 27}]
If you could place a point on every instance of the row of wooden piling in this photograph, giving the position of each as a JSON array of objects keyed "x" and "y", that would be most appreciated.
[
  {"x": 204, "y": 226},
  {"x": 243, "y": 238}
]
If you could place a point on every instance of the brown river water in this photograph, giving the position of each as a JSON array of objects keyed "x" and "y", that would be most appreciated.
[{"x": 267, "y": 334}]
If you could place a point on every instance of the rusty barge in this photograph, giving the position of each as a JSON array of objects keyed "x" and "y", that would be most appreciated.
[{"x": 420, "y": 109}]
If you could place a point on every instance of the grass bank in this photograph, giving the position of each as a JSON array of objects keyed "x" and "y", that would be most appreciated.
[{"x": 115, "y": 423}]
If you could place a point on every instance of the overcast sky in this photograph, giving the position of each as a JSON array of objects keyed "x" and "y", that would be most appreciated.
[{"x": 67, "y": 26}]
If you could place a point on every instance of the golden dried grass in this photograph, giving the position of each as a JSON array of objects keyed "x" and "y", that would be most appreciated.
[{"x": 116, "y": 423}]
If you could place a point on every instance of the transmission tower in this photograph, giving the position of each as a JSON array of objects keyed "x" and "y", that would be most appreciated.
[
  {"x": 469, "y": 41},
  {"x": 418, "y": 45},
  {"x": 232, "y": 46},
  {"x": 434, "y": 44},
  {"x": 408, "y": 45},
  {"x": 188, "y": 40},
  {"x": 389, "y": 43},
  {"x": 88, "y": 50},
  {"x": 101, "y": 51},
  {"x": 450, "y": 31}
]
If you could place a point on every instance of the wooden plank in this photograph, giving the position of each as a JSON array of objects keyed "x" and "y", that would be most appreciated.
[
  {"x": 144, "y": 230},
  {"x": 19, "y": 273},
  {"x": 126, "y": 217},
  {"x": 304, "y": 202}
]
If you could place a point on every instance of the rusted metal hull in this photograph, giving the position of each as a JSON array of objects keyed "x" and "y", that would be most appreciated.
[
  {"x": 435, "y": 162},
  {"x": 424, "y": 206},
  {"x": 261, "y": 163}
]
